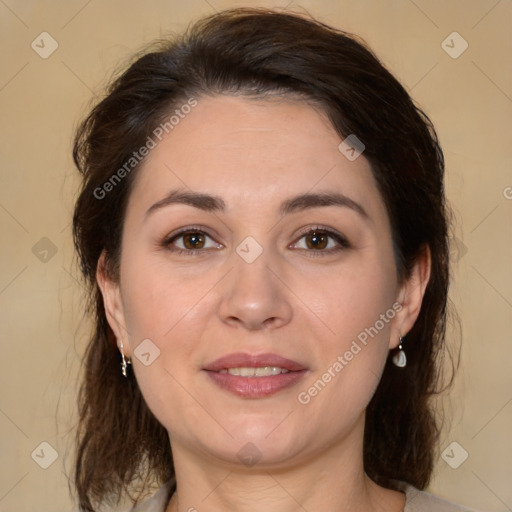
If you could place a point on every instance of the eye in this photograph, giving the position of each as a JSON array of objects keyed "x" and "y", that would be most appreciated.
[
  {"x": 321, "y": 240},
  {"x": 190, "y": 240}
]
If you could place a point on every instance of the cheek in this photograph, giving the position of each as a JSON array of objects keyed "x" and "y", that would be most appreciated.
[
  {"x": 167, "y": 310},
  {"x": 353, "y": 299},
  {"x": 358, "y": 311},
  {"x": 158, "y": 298}
]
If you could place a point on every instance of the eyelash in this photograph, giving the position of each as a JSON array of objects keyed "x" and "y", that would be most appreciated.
[
  {"x": 340, "y": 239},
  {"x": 342, "y": 242}
]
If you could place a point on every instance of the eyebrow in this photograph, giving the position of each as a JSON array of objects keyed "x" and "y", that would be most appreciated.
[{"x": 212, "y": 203}]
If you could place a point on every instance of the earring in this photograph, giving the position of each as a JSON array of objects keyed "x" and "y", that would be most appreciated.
[
  {"x": 400, "y": 359},
  {"x": 124, "y": 362}
]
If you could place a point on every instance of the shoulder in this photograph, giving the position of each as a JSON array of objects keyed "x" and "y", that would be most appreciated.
[
  {"x": 157, "y": 502},
  {"x": 415, "y": 501},
  {"x": 421, "y": 501}
]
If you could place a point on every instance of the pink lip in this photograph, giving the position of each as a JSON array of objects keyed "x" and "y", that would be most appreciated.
[
  {"x": 240, "y": 359},
  {"x": 254, "y": 387}
]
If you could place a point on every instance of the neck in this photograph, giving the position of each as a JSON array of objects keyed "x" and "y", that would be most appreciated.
[{"x": 332, "y": 481}]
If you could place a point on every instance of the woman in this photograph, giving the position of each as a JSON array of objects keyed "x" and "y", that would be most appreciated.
[{"x": 263, "y": 227}]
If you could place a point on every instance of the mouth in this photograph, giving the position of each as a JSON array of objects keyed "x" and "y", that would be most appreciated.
[
  {"x": 242, "y": 360},
  {"x": 255, "y": 376},
  {"x": 260, "y": 371}
]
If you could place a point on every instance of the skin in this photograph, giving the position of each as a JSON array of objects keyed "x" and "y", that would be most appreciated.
[{"x": 306, "y": 304}]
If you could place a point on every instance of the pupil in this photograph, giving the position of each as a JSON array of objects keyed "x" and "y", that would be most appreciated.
[
  {"x": 193, "y": 241},
  {"x": 317, "y": 241}
]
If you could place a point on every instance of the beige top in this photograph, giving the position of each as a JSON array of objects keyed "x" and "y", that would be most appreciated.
[{"x": 415, "y": 501}]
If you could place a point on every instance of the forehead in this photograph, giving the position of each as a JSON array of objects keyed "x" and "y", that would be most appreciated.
[{"x": 253, "y": 150}]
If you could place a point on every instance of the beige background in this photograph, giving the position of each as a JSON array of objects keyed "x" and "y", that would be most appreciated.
[{"x": 42, "y": 328}]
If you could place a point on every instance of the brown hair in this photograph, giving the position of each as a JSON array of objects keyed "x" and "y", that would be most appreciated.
[{"x": 120, "y": 444}]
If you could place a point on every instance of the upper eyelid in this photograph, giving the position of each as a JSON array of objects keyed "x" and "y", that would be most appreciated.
[
  {"x": 318, "y": 227},
  {"x": 188, "y": 229}
]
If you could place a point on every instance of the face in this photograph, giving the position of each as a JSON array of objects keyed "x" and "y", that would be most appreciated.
[{"x": 251, "y": 241}]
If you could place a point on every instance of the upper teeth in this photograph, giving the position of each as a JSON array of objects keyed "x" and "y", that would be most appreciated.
[{"x": 264, "y": 371}]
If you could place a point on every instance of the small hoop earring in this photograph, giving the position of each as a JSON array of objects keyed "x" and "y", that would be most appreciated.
[
  {"x": 125, "y": 361},
  {"x": 400, "y": 359}
]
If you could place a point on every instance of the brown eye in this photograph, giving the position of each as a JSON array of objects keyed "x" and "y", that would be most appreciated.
[
  {"x": 317, "y": 240},
  {"x": 193, "y": 240},
  {"x": 321, "y": 241},
  {"x": 190, "y": 242}
]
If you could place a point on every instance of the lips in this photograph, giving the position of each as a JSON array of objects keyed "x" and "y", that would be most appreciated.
[
  {"x": 254, "y": 386},
  {"x": 243, "y": 360}
]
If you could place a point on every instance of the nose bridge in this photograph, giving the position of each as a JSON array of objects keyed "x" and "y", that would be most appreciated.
[
  {"x": 252, "y": 278},
  {"x": 253, "y": 296},
  {"x": 251, "y": 265}
]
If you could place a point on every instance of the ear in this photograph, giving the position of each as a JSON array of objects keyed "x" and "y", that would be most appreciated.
[
  {"x": 410, "y": 296},
  {"x": 114, "y": 310}
]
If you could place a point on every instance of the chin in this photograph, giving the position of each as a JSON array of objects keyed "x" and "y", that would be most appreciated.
[{"x": 258, "y": 442}]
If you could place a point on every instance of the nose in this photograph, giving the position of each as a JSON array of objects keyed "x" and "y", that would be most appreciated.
[{"x": 254, "y": 296}]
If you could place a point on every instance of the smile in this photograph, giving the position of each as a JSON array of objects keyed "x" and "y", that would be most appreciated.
[
  {"x": 255, "y": 375},
  {"x": 262, "y": 371}
]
